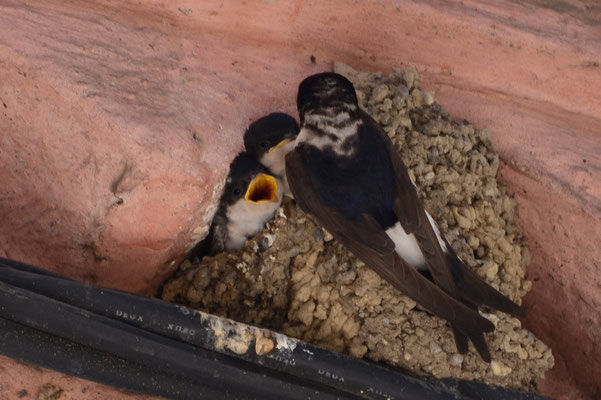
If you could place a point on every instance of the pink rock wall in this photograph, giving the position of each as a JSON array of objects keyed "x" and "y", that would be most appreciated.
[{"x": 118, "y": 121}]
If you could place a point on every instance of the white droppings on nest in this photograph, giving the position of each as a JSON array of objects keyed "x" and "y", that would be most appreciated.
[
  {"x": 284, "y": 342},
  {"x": 267, "y": 240},
  {"x": 280, "y": 213}
]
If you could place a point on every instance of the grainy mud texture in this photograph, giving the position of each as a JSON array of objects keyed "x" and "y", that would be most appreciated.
[{"x": 294, "y": 278}]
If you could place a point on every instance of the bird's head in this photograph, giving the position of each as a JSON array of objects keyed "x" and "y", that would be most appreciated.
[
  {"x": 250, "y": 181},
  {"x": 269, "y": 133},
  {"x": 326, "y": 91}
]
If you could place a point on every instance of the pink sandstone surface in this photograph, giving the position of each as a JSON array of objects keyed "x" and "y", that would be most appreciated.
[{"x": 118, "y": 121}]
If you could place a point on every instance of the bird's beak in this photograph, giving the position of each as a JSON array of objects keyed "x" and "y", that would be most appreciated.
[
  {"x": 283, "y": 142},
  {"x": 262, "y": 189}
]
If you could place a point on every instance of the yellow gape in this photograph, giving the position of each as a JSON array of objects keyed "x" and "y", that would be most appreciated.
[{"x": 263, "y": 188}]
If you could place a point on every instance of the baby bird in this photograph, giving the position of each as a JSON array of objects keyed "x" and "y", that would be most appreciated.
[
  {"x": 250, "y": 198},
  {"x": 269, "y": 139}
]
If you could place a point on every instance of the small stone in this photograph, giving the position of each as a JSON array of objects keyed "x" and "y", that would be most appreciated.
[
  {"x": 473, "y": 242},
  {"x": 386, "y": 105},
  {"x": 456, "y": 360},
  {"x": 485, "y": 134},
  {"x": 305, "y": 313},
  {"x": 505, "y": 246},
  {"x": 320, "y": 312},
  {"x": 318, "y": 235},
  {"x": 416, "y": 97},
  {"x": 431, "y": 129},
  {"x": 428, "y": 97},
  {"x": 410, "y": 77},
  {"x": 499, "y": 369},
  {"x": 463, "y": 222},
  {"x": 435, "y": 348},
  {"x": 398, "y": 103},
  {"x": 403, "y": 93},
  {"x": 522, "y": 354},
  {"x": 380, "y": 92},
  {"x": 491, "y": 271},
  {"x": 406, "y": 122},
  {"x": 303, "y": 294},
  {"x": 357, "y": 348},
  {"x": 263, "y": 345},
  {"x": 185, "y": 265}
]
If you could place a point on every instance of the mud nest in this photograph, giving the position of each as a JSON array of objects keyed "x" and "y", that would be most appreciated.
[{"x": 294, "y": 278}]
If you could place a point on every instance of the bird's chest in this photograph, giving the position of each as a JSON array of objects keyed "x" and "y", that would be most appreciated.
[{"x": 245, "y": 219}]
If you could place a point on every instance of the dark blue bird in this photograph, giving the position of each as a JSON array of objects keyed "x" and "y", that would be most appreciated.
[{"x": 346, "y": 174}]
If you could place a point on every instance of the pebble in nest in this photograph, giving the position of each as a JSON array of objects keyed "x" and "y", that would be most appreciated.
[{"x": 292, "y": 277}]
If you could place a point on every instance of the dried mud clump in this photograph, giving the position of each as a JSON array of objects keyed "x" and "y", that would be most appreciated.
[{"x": 294, "y": 278}]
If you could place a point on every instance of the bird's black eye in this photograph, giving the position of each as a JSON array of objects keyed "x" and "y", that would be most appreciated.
[
  {"x": 237, "y": 191},
  {"x": 264, "y": 145}
]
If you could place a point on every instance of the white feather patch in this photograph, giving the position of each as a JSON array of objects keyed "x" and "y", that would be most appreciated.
[
  {"x": 330, "y": 126},
  {"x": 407, "y": 247},
  {"x": 437, "y": 232}
]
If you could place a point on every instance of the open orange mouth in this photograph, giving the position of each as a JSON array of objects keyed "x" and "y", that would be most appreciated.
[
  {"x": 283, "y": 142},
  {"x": 262, "y": 189}
]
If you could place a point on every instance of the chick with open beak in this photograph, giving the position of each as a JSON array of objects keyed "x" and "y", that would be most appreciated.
[
  {"x": 250, "y": 198},
  {"x": 269, "y": 139}
]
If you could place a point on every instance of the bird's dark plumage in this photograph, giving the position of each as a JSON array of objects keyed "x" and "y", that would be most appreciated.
[{"x": 345, "y": 172}]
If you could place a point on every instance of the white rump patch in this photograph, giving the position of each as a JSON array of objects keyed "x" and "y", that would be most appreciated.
[{"x": 407, "y": 247}]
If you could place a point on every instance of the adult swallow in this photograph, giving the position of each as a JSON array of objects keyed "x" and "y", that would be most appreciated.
[
  {"x": 346, "y": 174},
  {"x": 269, "y": 139},
  {"x": 250, "y": 198}
]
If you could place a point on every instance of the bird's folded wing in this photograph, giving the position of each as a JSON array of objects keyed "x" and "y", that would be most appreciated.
[
  {"x": 369, "y": 242},
  {"x": 411, "y": 214},
  {"x": 406, "y": 203},
  {"x": 477, "y": 291}
]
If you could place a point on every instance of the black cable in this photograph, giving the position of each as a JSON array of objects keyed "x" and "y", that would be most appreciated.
[
  {"x": 351, "y": 375},
  {"x": 298, "y": 360},
  {"x": 233, "y": 377},
  {"x": 35, "y": 347}
]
